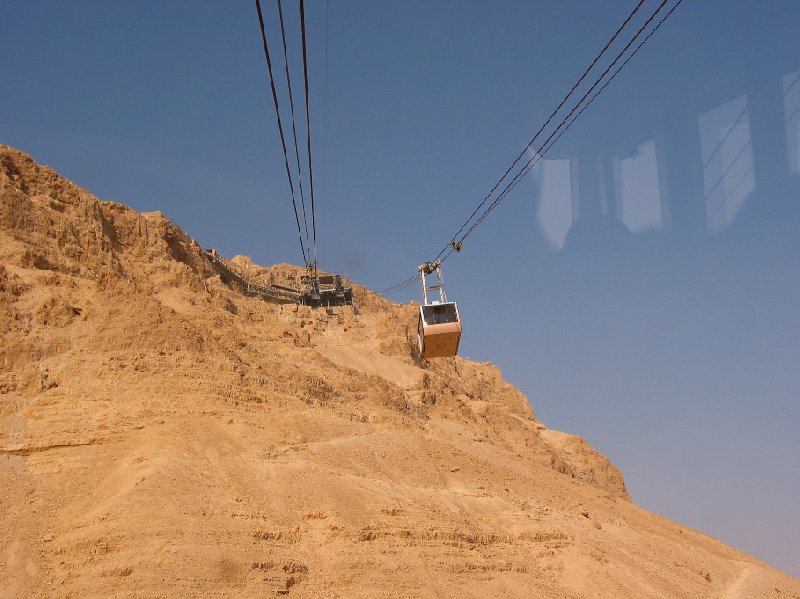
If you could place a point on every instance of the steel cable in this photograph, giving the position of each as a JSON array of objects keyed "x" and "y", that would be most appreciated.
[
  {"x": 567, "y": 123},
  {"x": 549, "y": 119},
  {"x": 280, "y": 127},
  {"x": 291, "y": 107},
  {"x": 563, "y": 126},
  {"x": 308, "y": 134}
]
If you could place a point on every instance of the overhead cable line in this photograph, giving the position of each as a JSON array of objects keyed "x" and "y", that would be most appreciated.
[
  {"x": 566, "y": 123},
  {"x": 563, "y": 126},
  {"x": 622, "y": 66},
  {"x": 280, "y": 127},
  {"x": 294, "y": 130},
  {"x": 401, "y": 285},
  {"x": 547, "y": 122},
  {"x": 308, "y": 134},
  {"x": 450, "y": 247},
  {"x": 545, "y": 147},
  {"x": 323, "y": 232}
]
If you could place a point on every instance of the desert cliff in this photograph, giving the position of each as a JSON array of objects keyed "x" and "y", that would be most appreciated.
[{"x": 164, "y": 434}]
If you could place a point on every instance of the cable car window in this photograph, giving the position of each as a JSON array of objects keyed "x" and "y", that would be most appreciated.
[{"x": 440, "y": 314}]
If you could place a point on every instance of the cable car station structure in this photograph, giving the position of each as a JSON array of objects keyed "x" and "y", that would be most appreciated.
[{"x": 318, "y": 291}]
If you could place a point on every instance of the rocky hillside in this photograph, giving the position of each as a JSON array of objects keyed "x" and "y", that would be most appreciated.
[{"x": 163, "y": 434}]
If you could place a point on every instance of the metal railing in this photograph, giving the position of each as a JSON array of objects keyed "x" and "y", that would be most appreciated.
[{"x": 271, "y": 291}]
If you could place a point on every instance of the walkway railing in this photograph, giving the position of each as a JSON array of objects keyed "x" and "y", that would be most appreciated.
[{"x": 271, "y": 291}]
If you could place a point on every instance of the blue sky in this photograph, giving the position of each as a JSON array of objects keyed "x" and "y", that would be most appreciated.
[{"x": 640, "y": 285}]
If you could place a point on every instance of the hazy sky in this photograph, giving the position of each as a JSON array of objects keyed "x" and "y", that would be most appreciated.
[{"x": 641, "y": 285}]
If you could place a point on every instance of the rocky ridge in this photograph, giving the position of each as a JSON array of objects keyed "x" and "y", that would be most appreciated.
[{"x": 162, "y": 434}]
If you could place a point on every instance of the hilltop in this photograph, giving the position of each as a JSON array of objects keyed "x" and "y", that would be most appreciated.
[{"x": 164, "y": 434}]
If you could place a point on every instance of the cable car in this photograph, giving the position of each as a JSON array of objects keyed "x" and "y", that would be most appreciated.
[{"x": 439, "y": 328}]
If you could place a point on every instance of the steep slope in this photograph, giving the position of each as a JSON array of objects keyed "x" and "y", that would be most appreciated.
[{"x": 162, "y": 434}]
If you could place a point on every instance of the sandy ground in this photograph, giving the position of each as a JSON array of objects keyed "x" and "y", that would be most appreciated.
[{"x": 163, "y": 435}]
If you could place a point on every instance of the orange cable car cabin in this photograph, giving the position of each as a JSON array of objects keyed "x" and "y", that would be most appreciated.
[{"x": 439, "y": 327}]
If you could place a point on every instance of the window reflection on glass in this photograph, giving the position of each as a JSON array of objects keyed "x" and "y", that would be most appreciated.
[
  {"x": 555, "y": 200},
  {"x": 727, "y": 161},
  {"x": 791, "y": 103},
  {"x": 639, "y": 194}
]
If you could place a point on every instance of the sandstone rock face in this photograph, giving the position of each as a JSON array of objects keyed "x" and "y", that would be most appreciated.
[{"x": 163, "y": 435}]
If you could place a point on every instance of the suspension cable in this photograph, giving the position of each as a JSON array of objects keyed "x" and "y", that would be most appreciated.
[
  {"x": 566, "y": 122},
  {"x": 563, "y": 126},
  {"x": 291, "y": 107},
  {"x": 280, "y": 127},
  {"x": 323, "y": 231},
  {"x": 549, "y": 119},
  {"x": 401, "y": 285},
  {"x": 308, "y": 134}
]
